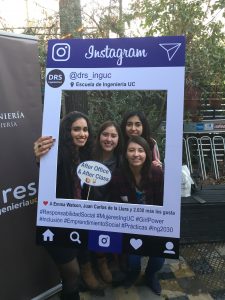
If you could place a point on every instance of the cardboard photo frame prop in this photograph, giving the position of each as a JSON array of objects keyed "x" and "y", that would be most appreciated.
[{"x": 151, "y": 63}]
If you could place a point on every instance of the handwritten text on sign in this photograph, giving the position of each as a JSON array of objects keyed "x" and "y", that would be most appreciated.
[{"x": 93, "y": 173}]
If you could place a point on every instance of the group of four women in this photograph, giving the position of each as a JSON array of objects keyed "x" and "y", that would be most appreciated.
[{"x": 133, "y": 158}]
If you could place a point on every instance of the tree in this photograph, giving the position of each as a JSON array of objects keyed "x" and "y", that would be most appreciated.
[
  {"x": 71, "y": 27},
  {"x": 70, "y": 18},
  {"x": 101, "y": 105},
  {"x": 198, "y": 21},
  {"x": 111, "y": 105},
  {"x": 45, "y": 28},
  {"x": 100, "y": 21},
  {"x": 103, "y": 20}
]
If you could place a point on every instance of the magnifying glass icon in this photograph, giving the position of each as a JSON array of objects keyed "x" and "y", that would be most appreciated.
[{"x": 75, "y": 237}]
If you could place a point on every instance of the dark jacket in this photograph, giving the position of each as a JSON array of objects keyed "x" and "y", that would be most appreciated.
[
  {"x": 121, "y": 190},
  {"x": 65, "y": 177}
]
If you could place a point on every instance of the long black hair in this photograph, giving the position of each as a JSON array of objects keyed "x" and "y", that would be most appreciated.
[
  {"x": 98, "y": 151},
  {"x": 69, "y": 156},
  {"x": 66, "y": 142},
  {"x": 146, "y": 168},
  {"x": 146, "y": 133}
]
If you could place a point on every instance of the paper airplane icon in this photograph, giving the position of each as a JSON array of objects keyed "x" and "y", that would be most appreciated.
[{"x": 171, "y": 49}]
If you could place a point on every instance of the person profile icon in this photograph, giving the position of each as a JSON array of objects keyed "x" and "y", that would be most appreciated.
[{"x": 169, "y": 248}]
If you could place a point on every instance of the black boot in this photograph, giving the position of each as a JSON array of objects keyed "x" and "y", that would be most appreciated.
[
  {"x": 70, "y": 296},
  {"x": 131, "y": 278},
  {"x": 154, "y": 284}
]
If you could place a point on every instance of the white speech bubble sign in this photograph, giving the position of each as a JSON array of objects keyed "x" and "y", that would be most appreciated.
[{"x": 93, "y": 173}]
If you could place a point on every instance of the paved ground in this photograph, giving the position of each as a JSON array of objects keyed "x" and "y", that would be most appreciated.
[{"x": 199, "y": 274}]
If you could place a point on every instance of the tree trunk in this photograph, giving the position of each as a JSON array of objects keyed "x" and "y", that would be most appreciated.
[
  {"x": 122, "y": 29},
  {"x": 71, "y": 27},
  {"x": 70, "y": 18}
]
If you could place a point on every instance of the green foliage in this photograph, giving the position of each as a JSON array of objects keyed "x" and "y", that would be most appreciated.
[
  {"x": 45, "y": 29},
  {"x": 70, "y": 18},
  {"x": 198, "y": 21},
  {"x": 101, "y": 20},
  {"x": 111, "y": 105}
]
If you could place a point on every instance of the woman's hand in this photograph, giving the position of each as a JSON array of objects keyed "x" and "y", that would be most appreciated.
[
  {"x": 157, "y": 163},
  {"x": 42, "y": 146}
]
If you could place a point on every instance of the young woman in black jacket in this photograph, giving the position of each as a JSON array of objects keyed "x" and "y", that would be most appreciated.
[{"x": 75, "y": 146}]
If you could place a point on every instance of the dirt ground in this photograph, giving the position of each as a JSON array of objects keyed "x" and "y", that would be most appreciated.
[{"x": 213, "y": 181}]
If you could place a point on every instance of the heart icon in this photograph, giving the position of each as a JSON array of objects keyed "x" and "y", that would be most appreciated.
[
  {"x": 45, "y": 203},
  {"x": 136, "y": 243}
]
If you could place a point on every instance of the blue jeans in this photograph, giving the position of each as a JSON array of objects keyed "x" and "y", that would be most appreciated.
[{"x": 154, "y": 265}]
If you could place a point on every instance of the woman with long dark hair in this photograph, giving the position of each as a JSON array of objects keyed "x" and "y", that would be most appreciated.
[
  {"x": 108, "y": 142},
  {"x": 138, "y": 181},
  {"x": 137, "y": 174},
  {"x": 135, "y": 123},
  {"x": 108, "y": 151},
  {"x": 75, "y": 146}
]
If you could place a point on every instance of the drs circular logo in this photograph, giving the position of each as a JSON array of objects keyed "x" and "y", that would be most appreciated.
[{"x": 55, "y": 78}]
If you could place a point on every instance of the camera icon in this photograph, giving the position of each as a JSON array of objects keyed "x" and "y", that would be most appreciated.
[
  {"x": 61, "y": 52},
  {"x": 104, "y": 240}
]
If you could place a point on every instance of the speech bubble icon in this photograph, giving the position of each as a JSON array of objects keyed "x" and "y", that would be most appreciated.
[{"x": 93, "y": 173}]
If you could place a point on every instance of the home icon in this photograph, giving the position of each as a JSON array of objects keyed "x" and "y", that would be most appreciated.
[{"x": 48, "y": 236}]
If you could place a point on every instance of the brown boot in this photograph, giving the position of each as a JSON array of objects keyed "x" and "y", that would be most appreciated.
[
  {"x": 104, "y": 269},
  {"x": 89, "y": 277}
]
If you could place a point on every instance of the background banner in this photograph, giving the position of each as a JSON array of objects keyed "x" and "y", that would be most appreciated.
[{"x": 26, "y": 270}]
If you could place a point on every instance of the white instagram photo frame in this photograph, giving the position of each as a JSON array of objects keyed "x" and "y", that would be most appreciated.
[{"x": 131, "y": 64}]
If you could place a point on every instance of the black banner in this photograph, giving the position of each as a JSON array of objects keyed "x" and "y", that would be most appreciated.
[{"x": 26, "y": 270}]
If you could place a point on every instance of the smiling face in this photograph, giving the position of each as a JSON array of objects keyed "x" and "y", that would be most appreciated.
[
  {"x": 136, "y": 155},
  {"x": 134, "y": 126},
  {"x": 79, "y": 132},
  {"x": 109, "y": 139}
]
